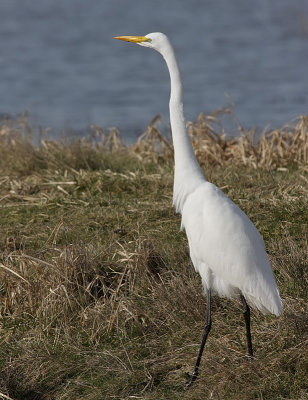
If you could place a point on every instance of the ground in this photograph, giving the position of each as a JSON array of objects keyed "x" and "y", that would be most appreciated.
[{"x": 99, "y": 299}]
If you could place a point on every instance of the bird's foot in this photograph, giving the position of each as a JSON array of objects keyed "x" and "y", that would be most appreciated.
[{"x": 191, "y": 379}]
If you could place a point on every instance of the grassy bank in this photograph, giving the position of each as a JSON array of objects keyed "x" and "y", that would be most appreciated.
[{"x": 99, "y": 299}]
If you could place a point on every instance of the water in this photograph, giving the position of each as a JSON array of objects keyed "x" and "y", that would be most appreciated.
[{"x": 58, "y": 60}]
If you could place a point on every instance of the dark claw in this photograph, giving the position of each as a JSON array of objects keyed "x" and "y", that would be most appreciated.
[{"x": 191, "y": 379}]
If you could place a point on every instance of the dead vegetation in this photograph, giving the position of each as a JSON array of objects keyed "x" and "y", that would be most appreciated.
[
  {"x": 98, "y": 299},
  {"x": 270, "y": 150}
]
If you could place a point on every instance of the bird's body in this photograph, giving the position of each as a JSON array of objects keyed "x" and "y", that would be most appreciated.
[
  {"x": 227, "y": 250},
  {"x": 225, "y": 247}
]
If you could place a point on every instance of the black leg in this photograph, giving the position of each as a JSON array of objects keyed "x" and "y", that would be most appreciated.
[
  {"x": 207, "y": 329},
  {"x": 246, "y": 313}
]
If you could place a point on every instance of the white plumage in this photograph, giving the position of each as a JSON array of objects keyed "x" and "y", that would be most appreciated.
[
  {"x": 225, "y": 247},
  {"x": 227, "y": 250}
]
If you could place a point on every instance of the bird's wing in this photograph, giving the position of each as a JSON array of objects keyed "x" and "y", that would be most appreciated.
[{"x": 222, "y": 238}]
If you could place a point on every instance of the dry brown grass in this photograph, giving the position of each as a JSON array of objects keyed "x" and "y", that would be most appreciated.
[{"x": 272, "y": 149}]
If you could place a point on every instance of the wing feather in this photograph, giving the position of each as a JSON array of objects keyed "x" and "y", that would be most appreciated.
[{"x": 224, "y": 240}]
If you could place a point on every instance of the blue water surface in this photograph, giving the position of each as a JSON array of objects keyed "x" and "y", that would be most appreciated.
[{"x": 58, "y": 61}]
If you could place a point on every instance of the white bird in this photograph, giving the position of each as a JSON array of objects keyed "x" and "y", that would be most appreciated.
[{"x": 225, "y": 247}]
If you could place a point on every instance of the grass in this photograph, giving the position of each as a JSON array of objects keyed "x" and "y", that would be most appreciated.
[{"x": 99, "y": 299}]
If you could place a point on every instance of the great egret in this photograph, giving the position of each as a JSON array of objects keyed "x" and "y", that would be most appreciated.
[{"x": 225, "y": 247}]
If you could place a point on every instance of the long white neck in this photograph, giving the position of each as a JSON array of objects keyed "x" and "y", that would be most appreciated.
[{"x": 187, "y": 171}]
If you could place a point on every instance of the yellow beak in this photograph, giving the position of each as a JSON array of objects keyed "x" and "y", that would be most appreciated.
[{"x": 134, "y": 39}]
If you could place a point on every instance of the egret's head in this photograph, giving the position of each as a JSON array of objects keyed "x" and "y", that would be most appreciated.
[{"x": 156, "y": 40}]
